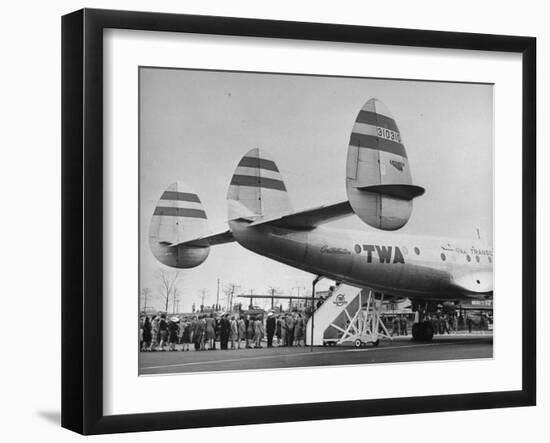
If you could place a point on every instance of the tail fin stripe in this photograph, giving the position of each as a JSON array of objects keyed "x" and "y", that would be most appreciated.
[
  {"x": 259, "y": 163},
  {"x": 372, "y": 118},
  {"x": 258, "y": 182},
  {"x": 180, "y": 212},
  {"x": 374, "y": 142},
  {"x": 180, "y": 196}
]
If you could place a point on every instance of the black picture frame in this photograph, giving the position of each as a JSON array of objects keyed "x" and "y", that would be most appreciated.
[{"x": 82, "y": 215}]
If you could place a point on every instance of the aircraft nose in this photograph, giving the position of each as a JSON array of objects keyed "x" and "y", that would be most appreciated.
[{"x": 479, "y": 282}]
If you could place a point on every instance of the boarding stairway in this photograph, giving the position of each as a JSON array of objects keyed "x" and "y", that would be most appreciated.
[{"x": 349, "y": 314}]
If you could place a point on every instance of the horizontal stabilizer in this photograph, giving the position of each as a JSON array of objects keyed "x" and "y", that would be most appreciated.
[
  {"x": 208, "y": 240},
  {"x": 309, "y": 218},
  {"x": 401, "y": 192}
]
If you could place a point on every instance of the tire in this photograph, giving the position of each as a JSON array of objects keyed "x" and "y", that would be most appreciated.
[
  {"x": 428, "y": 331},
  {"x": 376, "y": 343},
  {"x": 416, "y": 332},
  {"x": 358, "y": 343},
  {"x": 422, "y": 331}
]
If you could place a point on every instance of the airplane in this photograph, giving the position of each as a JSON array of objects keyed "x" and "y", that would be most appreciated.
[{"x": 427, "y": 270}]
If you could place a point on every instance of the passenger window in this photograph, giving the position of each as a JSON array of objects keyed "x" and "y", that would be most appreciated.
[
  {"x": 416, "y": 251},
  {"x": 468, "y": 258},
  {"x": 443, "y": 257},
  {"x": 477, "y": 258}
]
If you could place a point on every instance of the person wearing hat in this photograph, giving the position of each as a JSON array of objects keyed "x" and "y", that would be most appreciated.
[
  {"x": 173, "y": 329},
  {"x": 154, "y": 333},
  {"x": 225, "y": 329},
  {"x": 210, "y": 331},
  {"x": 270, "y": 326},
  {"x": 185, "y": 326},
  {"x": 258, "y": 332},
  {"x": 299, "y": 330},
  {"x": 249, "y": 331},
  {"x": 146, "y": 335},
  {"x": 284, "y": 330},
  {"x": 290, "y": 323},
  {"x": 233, "y": 331},
  {"x": 163, "y": 332},
  {"x": 241, "y": 331}
]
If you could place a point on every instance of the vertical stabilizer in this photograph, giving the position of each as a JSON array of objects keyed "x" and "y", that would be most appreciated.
[
  {"x": 378, "y": 176},
  {"x": 257, "y": 189},
  {"x": 178, "y": 217}
]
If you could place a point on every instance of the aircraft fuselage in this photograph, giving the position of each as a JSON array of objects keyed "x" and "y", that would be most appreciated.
[{"x": 400, "y": 265}]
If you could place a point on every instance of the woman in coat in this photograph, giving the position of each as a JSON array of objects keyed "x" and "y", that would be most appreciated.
[
  {"x": 250, "y": 332},
  {"x": 186, "y": 334},
  {"x": 241, "y": 331},
  {"x": 147, "y": 335},
  {"x": 299, "y": 331},
  {"x": 210, "y": 331}
]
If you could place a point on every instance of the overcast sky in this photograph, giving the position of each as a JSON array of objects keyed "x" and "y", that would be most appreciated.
[{"x": 196, "y": 125}]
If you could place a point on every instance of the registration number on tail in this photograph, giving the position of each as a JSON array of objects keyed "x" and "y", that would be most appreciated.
[{"x": 388, "y": 134}]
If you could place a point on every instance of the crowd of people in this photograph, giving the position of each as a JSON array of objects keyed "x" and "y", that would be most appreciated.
[
  {"x": 212, "y": 331},
  {"x": 443, "y": 323}
]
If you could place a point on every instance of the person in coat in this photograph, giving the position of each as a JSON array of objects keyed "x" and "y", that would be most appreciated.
[
  {"x": 186, "y": 334},
  {"x": 173, "y": 329},
  {"x": 241, "y": 327},
  {"x": 299, "y": 331},
  {"x": 284, "y": 331},
  {"x": 147, "y": 335},
  {"x": 290, "y": 323},
  {"x": 258, "y": 332},
  {"x": 250, "y": 332},
  {"x": 278, "y": 330},
  {"x": 210, "y": 331},
  {"x": 270, "y": 326},
  {"x": 233, "y": 332},
  {"x": 225, "y": 328}
]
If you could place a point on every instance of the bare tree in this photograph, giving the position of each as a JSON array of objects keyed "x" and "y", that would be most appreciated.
[
  {"x": 175, "y": 300},
  {"x": 144, "y": 297},
  {"x": 168, "y": 280}
]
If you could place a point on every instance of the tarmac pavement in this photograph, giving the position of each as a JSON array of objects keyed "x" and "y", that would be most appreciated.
[{"x": 400, "y": 349}]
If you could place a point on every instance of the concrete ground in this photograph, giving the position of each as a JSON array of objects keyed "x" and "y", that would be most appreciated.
[{"x": 400, "y": 349}]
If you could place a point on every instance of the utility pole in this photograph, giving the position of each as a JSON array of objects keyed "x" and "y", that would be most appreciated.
[
  {"x": 218, "y": 296},
  {"x": 145, "y": 292},
  {"x": 175, "y": 300}
]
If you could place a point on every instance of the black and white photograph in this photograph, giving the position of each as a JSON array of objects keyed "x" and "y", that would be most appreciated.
[{"x": 291, "y": 221}]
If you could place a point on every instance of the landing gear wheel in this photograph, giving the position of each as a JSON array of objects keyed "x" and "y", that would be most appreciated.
[
  {"x": 428, "y": 331},
  {"x": 422, "y": 331},
  {"x": 358, "y": 343},
  {"x": 416, "y": 332}
]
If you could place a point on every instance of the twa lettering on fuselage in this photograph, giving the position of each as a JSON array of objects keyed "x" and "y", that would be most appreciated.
[{"x": 385, "y": 254}]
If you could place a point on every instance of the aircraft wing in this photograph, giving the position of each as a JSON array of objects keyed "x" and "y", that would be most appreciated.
[
  {"x": 207, "y": 240},
  {"x": 309, "y": 218}
]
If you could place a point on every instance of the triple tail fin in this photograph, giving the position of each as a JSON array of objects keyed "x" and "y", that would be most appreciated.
[
  {"x": 179, "y": 217},
  {"x": 378, "y": 176},
  {"x": 257, "y": 189}
]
